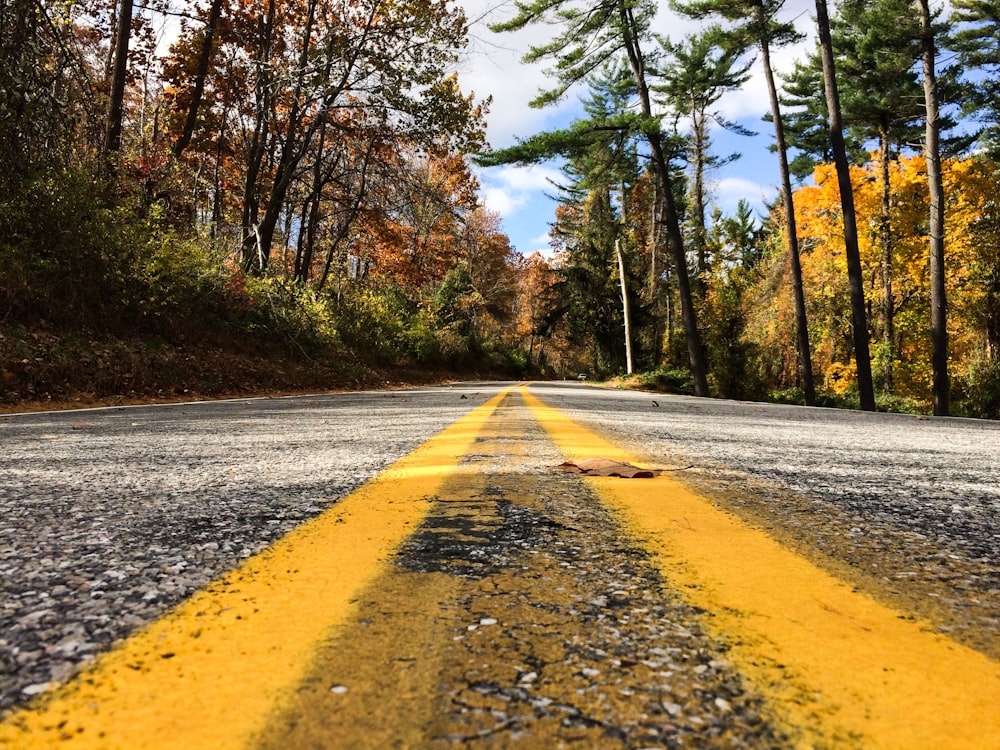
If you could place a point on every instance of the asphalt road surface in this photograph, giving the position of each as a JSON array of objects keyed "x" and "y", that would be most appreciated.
[{"x": 468, "y": 593}]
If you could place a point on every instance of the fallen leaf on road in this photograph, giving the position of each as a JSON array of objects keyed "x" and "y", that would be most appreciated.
[{"x": 605, "y": 467}]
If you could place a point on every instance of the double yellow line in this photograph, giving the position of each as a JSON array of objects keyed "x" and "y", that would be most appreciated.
[
  {"x": 838, "y": 669},
  {"x": 208, "y": 674}
]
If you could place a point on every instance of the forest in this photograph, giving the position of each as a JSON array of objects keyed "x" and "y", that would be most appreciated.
[{"x": 284, "y": 196}]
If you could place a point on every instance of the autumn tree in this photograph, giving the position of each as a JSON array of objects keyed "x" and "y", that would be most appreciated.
[
  {"x": 295, "y": 81},
  {"x": 416, "y": 215},
  {"x": 973, "y": 280},
  {"x": 537, "y": 307},
  {"x": 200, "y": 73},
  {"x": 972, "y": 276}
]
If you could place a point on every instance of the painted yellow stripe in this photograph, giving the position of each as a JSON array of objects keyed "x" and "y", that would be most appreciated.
[
  {"x": 208, "y": 674},
  {"x": 840, "y": 669}
]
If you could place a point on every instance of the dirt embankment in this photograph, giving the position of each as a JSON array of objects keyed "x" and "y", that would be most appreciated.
[{"x": 45, "y": 370}]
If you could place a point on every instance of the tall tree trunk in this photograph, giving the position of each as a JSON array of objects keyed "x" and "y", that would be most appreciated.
[
  {"x": 699, "y": 128},
  {"x": 304, "y": 262},
  {"x": 859, "y": 319},
  {"x": 885, "y": 240},
  {"x": 792, "y": 237},
  {"x": 258, "y": 143},
  {"x": 656, "y": 287},
  {"x": 696, "y": 354},
  {"x": 626, "y": 310},
  {"x": 204, "y": 59},
  {"x": 654, "y": 242},
  {"x": 932, "y": 151},
  {"x": 113, "y": 135}
]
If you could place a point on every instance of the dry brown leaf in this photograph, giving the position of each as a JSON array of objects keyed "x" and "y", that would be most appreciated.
[{"x": 605, "y": 467}]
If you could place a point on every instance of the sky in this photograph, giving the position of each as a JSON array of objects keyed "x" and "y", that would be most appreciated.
[{"x": 492, "y": 67}]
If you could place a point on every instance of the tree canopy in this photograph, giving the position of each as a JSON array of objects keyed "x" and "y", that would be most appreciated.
[{"x": 306, "y": 174}]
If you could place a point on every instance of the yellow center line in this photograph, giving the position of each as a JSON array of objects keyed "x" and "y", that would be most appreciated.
[
  {"x": 840, "y": 669},
  {"x": 208, "y": 674}
]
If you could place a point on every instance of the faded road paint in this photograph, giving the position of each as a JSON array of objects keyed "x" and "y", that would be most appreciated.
[
  {"x": 207, "y": 674},
  {"x": 840, "y": 669},
  {"x": 485, "y": 631}
]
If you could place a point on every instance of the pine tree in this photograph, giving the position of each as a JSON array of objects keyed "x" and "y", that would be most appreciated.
[
  {"x": 877, "y": 45},
  {"x": 859, "y": 318},
  {"x": 697, "y": 73},
  {"x": 602, "y": 170},
  {"x": 591, "y": 35},
  {"x": 754, "y": 24},
  {"x": 977, "y": 41}
]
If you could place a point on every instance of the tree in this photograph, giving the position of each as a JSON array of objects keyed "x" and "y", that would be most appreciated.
[
  {"x": 973, "y": 276},
  {"x": 293, "y": 75},
  {"x": 593, "y": 34},
  {"x": 736, "y": 244},
  {"x": 603, "y": 170},
  {"x": 113, "y": 138},
  {"x": 200, "y": 73},
  {"x": 859, "y": 319},
  {"x": 44, "y": 90},
  {"x": 932, "y": 153},
  {"x": 976, "y": 38},
  {"x": 755, "y": 24},
  {"x": 697, "y": 73},
  {"x": 537, "y": 306},
  {"x": 877, "y": 46}
]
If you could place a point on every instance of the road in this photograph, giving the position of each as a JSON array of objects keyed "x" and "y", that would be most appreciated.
[{"x": 409, "y": 569}]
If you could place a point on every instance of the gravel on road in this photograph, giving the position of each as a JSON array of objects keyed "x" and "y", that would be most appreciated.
[
  {"x": 906, "y": 508},
  {"x": 108, "y": 517}
]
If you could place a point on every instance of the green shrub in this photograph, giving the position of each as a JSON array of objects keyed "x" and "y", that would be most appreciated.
[
  {"x": 890, "y": 402},
  {"x": 981, "y": 387},
  {"x": 668, "y": 381},
  {"x": 288, "y": 309},
  {"x": 376, "y": 322},
  {"x": 421, "y": 339}
]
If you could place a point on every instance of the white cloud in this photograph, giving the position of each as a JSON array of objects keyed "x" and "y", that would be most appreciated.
[
  {"x": 542, "y": 245},
  {"x": 529, "y": 178},
  {"x": 729, "y": 191},
  {"x": 509, "y": 189},
  {"x": 501, "y": 201},
  {"x": 492, "y": 67},
  {"x": 546, "y": 252}
]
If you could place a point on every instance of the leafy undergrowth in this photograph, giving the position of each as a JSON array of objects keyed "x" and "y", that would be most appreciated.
[
  {"x": 658, "y": 381},
  {"x": 48, "y": 370}
]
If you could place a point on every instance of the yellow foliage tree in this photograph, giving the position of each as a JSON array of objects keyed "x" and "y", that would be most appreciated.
[{"x": 973, "y": 270}]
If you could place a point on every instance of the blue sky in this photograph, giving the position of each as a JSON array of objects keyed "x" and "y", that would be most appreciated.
[{"x": 493, "y": 68}]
